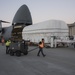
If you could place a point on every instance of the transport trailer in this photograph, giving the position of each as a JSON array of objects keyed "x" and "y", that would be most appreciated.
[{"x": 18, "y": 48}]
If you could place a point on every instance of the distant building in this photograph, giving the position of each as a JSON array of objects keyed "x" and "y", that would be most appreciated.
[{"x": 71, "y": 29}]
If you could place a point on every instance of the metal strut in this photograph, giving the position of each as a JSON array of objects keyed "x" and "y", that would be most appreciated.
[{"x": 33, "y": 49}]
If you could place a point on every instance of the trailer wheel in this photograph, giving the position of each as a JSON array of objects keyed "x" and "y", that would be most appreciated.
[
  {"x": 18, "y": 53},
  {"x": 25, "y": 53},
  {"x": 11, "y": 53}
]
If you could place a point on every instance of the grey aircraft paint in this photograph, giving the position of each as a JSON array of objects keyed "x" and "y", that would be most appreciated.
[{"x": 22, "y": 16}]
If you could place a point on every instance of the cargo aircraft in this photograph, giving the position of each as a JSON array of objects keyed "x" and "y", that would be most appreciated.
[{"x": 21, "y": 19}]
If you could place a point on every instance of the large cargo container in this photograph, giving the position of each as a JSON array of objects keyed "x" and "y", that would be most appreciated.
[{"x": 47, "y": 30}]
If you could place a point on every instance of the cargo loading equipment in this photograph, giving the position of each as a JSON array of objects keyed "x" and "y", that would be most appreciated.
[
  {"x": 17, "y": 45},
  {"x": 18, "y": 48}
]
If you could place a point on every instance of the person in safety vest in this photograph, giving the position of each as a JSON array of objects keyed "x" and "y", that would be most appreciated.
[
  {"x": 7, "y": 46},
  {"x": 41, "y": 46}
]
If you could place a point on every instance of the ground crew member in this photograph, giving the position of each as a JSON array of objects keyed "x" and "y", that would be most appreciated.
[
  {"x": 2, "y": 40},
  {"x": 7, "y": 46},
  {"x": 41, "y": 46}
]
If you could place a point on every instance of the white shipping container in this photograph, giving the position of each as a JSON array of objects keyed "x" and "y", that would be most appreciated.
[{"x": 45, "y": 30}]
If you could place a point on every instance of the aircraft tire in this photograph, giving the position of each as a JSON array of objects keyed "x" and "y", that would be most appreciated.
[
  {"x": 18, "y": 53},
  {"x": 11, "y": 53}
]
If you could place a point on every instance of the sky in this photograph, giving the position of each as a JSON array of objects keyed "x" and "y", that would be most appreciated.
[{"x": 41, "y": 10}]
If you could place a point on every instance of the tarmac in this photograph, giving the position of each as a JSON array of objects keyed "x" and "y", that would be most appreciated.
[{"x": 58, "y": 61}]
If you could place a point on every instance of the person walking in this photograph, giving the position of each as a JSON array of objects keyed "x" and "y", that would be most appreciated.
[{"x": 41, "y": 46}]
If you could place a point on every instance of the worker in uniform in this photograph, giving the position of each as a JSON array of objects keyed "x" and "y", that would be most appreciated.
[
  {"x": 2, "y": 40},
  {"x": 41, "y": 46},
  {"x": 7, "y": 46}
]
